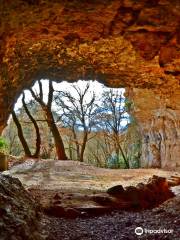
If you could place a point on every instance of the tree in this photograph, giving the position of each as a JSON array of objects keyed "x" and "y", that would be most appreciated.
[
  {"x": 32, "y": 119},
  {"x": 132, "y": 144},
  {"x": 21, "y": 135},
  {"x": 29, "y": 132},
  {"x": 10, "y": 133},
  {"x": 47, "y": 109},
  {"x": 78, "y": 112},
  {"x": 112, "y": 115}
]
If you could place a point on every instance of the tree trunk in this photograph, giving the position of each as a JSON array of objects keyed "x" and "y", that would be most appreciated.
[
  {"x": 21, "y": 136},
  {"x": 60, "y": 151},
  {"x": 122, "y": 152},
  {"x": 38, "y": 137},
  {"x": 83, "y": 146},
  {"x": 70, "y": 149},
  {"x": 77, "y": 144}
]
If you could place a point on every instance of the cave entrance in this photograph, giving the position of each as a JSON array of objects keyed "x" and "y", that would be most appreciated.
[
  {"x": 82, "y": 121},
  {"x": 77, "y": 147}
]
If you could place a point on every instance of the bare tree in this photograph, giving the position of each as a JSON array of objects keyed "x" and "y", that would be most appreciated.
[
  {"x": 79, "y": 114},
  {"x": 21, "y": 135},
  {"x": 32, "y": 119},
  {"x": 112, "y": 114},
  {"x": 47, "y": 109}
]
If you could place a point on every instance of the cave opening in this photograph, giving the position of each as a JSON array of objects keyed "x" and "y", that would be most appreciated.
[
  {"x": 78, "y": 146},
  {"x": 93, "y": 124}
]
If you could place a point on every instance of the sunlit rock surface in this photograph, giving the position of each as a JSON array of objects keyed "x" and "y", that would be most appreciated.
[
  {"x": 120, "y": 43},
  {"x": 158, "y": 117}
]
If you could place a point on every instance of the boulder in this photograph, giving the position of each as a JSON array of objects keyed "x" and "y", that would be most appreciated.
[
  {"x": 19, "y": 212},
  {"x": 143, "y": 195},
  {"x": 132, "y": 195}
]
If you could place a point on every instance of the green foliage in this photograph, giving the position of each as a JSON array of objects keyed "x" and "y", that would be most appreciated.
[
  {"x": 3, "y": 145},
  {"x": 116, "y": 162}
]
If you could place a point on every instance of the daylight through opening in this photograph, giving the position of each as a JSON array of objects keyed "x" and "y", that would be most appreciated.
[{"x": 81, "y": 121}]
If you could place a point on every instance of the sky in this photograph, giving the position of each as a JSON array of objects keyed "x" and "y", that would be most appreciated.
[{"x": 95, "y": 86}]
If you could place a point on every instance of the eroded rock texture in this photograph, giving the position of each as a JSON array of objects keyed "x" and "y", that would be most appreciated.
[
  {"x": 125, "y": 43},
  {"x": 158, "y": 117},
  {"x": 18, "y": 211},
  {"x": 143, "y": 195}
]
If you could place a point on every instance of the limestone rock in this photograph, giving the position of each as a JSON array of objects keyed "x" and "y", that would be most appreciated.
[
  {"x": 143, "y": 196},
  {"x": 56, "y": 208},
  {"x": 19, "y": 212},
  {"x": 174, "y": 181},
  {"x": 72, "y": 213},
  {"x": 158, "y": 118}
]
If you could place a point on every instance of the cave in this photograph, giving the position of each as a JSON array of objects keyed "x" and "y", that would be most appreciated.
[
  {"x": 120, "y": 43},
  {"x": 132, "y": 45}
]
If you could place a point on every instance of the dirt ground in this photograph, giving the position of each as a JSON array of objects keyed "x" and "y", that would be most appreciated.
[
  {"x": 73, "y": 176},
  {"x": 74, "y": 182}
]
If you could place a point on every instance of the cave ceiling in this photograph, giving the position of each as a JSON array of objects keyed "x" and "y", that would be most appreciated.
[{"x": 122, "y": 43}]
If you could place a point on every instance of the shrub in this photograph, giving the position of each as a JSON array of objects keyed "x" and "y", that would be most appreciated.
[
  {"x": 3, "y": 145},
  {"x": 115, "y": 162}
]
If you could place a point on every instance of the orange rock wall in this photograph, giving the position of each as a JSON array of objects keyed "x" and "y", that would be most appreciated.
[{"x": 121, "y": 43}]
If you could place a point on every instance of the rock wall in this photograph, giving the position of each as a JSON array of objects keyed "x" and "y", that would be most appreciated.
[
  {"x": 158, "y": 116},
  {"x": 121, "y": 43}
]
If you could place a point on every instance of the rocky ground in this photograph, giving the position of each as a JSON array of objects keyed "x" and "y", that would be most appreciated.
[
  {"x": 119, "y": 225},
  {"x": 73, "y": 176},
  {"x": 63, "y": 188}
]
